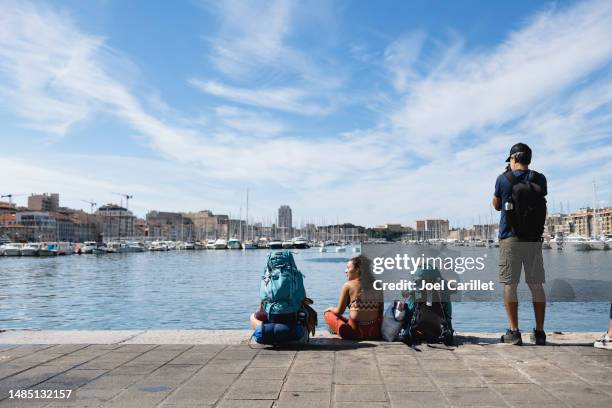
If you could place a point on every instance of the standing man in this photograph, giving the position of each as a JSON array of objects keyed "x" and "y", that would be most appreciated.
[{"x": 520, "y": 196}]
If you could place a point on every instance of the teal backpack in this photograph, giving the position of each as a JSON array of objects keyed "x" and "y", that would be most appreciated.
[{"x": 282, "y": 287}]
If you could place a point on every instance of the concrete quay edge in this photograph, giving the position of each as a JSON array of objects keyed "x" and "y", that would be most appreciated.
[{"x": 227, "y": 337}]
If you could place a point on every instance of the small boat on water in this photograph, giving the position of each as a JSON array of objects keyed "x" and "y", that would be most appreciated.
[
  {"x": 12, "y": 249},
  {"x": 341, "y": 248},
  {"x": 220, "y": 244},
  {"x": 234, "y": 243},
  {"x": 124, "y": 247},
  {"x": 87, "y": 247},
  {"x": 275, "y": 244},
  {"x": 576, "y": 242},
  {"x": 598, "y": 244},
  {"x": 158, "y": 246},
  {"x": 249, "y": 245},
  {"x": 31, "y": 249},
  {"x": 300, "y": 243},
  {"x": 101, "y": 250},
  {"x": 287, "y": 244},
  {"x": 64, "y": 248},
  {"x": 48, "y": 249},
  {"x": 187, "y": 246},
  {"x": 210, "y": 244}
]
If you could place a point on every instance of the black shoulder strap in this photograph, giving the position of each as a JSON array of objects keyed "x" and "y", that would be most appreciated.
[{"x": 511, "y": 177}]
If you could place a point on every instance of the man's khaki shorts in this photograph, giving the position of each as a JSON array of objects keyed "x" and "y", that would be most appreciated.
[{"x": 514, "y": 254}]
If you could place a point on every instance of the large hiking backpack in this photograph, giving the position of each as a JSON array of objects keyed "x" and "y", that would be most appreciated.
[
  {"x": 431, "y": 316},
  {"x": 282, "y": 288},
  {"x": 528, "y": 216}
]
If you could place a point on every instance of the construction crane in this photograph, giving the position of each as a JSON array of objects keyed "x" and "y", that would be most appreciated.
[
  {"x": 10, "y": 197},
  {"x": 91, "y": 203},
  {"x": 127, "y": 199}
]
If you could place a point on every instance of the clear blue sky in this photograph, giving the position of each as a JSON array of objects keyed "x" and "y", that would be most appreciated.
[{"x": 365, "y": 112}]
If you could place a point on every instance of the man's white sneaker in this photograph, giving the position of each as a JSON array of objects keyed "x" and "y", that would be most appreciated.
[{"x": 604, "y": 342}]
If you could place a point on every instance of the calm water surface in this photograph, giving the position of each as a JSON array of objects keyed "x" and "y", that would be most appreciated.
[{"x": 209, "y": 290}]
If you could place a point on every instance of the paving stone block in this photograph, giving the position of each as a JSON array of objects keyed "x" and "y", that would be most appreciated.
[
  {"x": 254, "y": 389},
  {"x": 408, "y": 384},
  {"x": 266, "y": 373},
  {"x": 308, "y": 382},
  {"x": 473, "y": 397},
  {"x": 417, "y": 399},
  {"x": 299, "y": 399},
  {"x": 360, "y": 393},
  {"x": 358, "y": 377},
  {"x": 226, "y": 366},
  {"x": 245, "y": 404}
]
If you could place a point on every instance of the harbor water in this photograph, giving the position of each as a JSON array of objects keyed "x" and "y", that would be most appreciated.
[{"x": 211, "y": 289}]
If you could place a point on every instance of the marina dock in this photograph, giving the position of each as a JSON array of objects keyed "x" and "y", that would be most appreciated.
[{"x": 219, "y": 369}]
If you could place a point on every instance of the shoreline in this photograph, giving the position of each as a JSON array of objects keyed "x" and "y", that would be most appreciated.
[{"x": 230, "y": 337}]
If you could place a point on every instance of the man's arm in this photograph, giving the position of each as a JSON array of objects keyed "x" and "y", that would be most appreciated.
[{"x": 497, "y": 202}]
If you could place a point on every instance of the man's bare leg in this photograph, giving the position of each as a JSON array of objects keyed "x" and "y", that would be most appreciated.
[
  {"x": 539, "y": 304},
  {"x": 511, "y": 304}
]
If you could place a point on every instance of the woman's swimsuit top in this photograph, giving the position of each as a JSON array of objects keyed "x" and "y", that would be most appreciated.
[{"x": 365, "y": 305}]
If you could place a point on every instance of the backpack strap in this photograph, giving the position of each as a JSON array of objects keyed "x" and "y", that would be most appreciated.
[{"x": 510, "y": 176}]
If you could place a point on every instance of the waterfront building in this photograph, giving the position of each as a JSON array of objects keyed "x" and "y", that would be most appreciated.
[
  {"x": 38, "y": 226},
  {"x": 11, "y": 229},
  {"x": 7, "y": 208},
  {"x": 75, "y": 225},
  {"x": 115, "y": 222},
  {"x": 170, "y": 226},
  {"x": 605, "y": 220},
  {"x": 207, "y": 225},
  {"x": 141, "y": 228},
  {"x": 43, "y": 202},
  {"x": 432, "y": 229},
  {"x": 285, "y": 222}
]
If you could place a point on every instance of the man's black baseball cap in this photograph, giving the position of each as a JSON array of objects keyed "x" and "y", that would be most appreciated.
[{"x": 520, "y": 148}]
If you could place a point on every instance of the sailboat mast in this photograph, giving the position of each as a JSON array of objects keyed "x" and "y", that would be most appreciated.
[{"x": 247, "y": 215}]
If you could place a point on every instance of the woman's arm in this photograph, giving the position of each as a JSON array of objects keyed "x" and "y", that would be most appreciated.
[{"x": 342, "y": 302}]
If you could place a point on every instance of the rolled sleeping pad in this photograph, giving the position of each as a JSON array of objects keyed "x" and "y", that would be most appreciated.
[{"x": 278, "y": 333}]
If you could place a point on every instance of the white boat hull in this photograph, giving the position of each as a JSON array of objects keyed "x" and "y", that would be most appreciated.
[{"x": 598, "y": 245}]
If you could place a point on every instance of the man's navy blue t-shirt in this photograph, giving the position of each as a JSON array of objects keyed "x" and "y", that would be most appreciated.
[{"x": 503, "y": 190}]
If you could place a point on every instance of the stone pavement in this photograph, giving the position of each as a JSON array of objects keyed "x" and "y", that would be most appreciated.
[{"x": 328, "y": 373}]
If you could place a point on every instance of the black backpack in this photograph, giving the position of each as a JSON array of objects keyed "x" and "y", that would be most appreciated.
[
  {"x": 528, "y": 216},
  {"x": 431, "y": 312}
]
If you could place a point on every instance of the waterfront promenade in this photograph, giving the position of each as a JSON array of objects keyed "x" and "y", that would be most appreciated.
[{"x": 218, "y": 369}]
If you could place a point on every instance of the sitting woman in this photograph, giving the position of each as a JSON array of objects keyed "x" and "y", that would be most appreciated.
[{"x": 364, "y": 303}]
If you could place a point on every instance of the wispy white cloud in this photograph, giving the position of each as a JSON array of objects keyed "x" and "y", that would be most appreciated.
[
  {"x": 253, "y": 48},
  {"x": 490, "y": 88},
  {"x": 400, "y": 57},
  {"x": 250, "y": 35},
  {"x": 289, "y": 99},
  {"x": 246, "y": 122}
]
